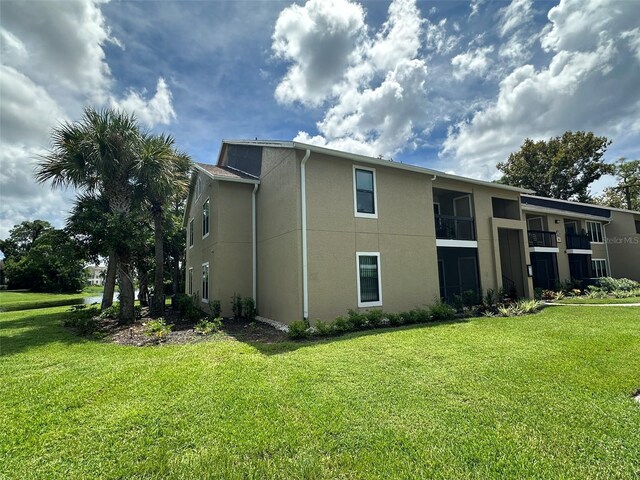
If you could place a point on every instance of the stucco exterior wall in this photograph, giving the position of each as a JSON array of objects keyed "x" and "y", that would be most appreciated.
[{"x": 623, "y": 243}]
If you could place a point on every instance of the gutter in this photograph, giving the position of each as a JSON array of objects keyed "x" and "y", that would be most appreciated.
[
  {"x": 303, "y": 208},
  {"x": 254, "y": 244},
  {"x": 606, "y": 246}
]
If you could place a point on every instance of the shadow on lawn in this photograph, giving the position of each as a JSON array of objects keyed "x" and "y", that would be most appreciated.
[
  {"x": 34, "y": 330},
  {"x": 280, "y": 343}
]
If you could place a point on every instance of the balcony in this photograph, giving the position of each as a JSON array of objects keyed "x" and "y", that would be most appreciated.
[
  {"x": 541, "y": 238},
  {"x": 450, "y": 227},
  {"x": 577, "y": 241}
]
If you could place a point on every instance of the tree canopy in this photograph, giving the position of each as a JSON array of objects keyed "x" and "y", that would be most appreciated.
[
  {"x": 562, "y": 167},
  {"x": 626, "y": 194}
]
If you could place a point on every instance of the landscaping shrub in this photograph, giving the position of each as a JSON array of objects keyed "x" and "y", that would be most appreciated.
[
  {"x": 457, "y": 303},
  {"x": 324, "y": 329},
  {"x": 299, "y": 330},
  {"x": 188, "y": 307},
  {"x": 342, "y": 325},
  {"x": 521, "y": 307},
  {"x": 374, "y": 317},
  {"x": 158, "y": 329},
  {"x": 441, "y": 311},
  {"x": 209, "y": 326},
  {"x": 249, "y": 308},
  {"x": 236, "y": 306},
  {"x": 82, "y": 319},
  {"x": 356, "y": 320},
  {"x": 610, "y": 284},
  {"x": 420, "y": 315},
  {"x": 112, "y": 312},
  {"x": 596, "y": 292},
  {"x": 470, "y": 298},
  {"x": 394, "y": 319},
  {"x": 626, "y": 293},
  {"x": 216, "y": 308},
  {"x": 490, "y": 297}
]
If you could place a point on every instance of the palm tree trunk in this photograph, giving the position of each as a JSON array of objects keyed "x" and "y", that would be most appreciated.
[
  {"x": 109, "y": 281},
  {"x": 127, "y": 312},
  {"x": 157, "y": 304}
]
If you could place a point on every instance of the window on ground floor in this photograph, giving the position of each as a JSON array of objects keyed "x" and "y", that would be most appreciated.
[
  {"x": 369, "y": 283},
  {"x": 205, "y": 282},
  {"x": 190, "y": 282},
  {"x": 599, "y": 267}
]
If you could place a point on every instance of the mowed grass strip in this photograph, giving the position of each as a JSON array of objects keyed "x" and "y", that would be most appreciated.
[
  {"x": 598, "y": 301},
  {"x": 23, "y": 300},
  {"x": 540, "y": 396}
]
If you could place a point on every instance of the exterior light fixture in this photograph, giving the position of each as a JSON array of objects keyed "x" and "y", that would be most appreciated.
[{"x": 530, "y": 270}]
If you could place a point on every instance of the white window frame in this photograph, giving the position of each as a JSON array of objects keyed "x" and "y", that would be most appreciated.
[
  {"x": 597, "y": 271},
  {"x": 355, "y": 194},
  {"x": 190, "y": 280},
  {"x": 535, "y": 218},
  {"x": 205, "y": 235},
  {"x": 599, "y": 229},
  {"x": 369, "y": 254},
  {"x": 202, "y": 294},
  {"x": 191, "y": 232}
]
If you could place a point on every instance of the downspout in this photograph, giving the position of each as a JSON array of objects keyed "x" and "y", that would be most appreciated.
[
  {"x": 303, "y": 207},
  {"x": 254, "y": 243},
  {"x": 606, "y": 247}
]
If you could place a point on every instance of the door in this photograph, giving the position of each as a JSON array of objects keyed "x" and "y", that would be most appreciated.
[
  {"x": 468, "y": 274},
  {"x": 571, "y": 228},
  {"x": 535, "y": 223},
  {"x": 462, "y": 208}
]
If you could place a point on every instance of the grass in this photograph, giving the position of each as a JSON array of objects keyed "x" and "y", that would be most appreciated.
[
  {"x": 540, "y": 396},
  {"x": 598, "y": 301},
  {"x": 23, "y": 300}
]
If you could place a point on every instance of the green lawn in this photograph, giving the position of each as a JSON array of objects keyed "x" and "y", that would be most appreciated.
[
  {"x": 22, "y": 300},
  {"x": 598, "y": 301},
  {"x": 541, "y": 396}
]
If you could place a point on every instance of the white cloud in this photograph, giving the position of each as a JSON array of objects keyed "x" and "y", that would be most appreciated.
[
  {"x": 320, "y": 40},
  {"x": 473, "y": 62},
  {"x": 590, "y": 83},
  {"x": 438, "y": 40},
  {"x": 514, "y": 15},
  {"x": 475, "y": 7},
  {"x": 379, "y": 96},
  {"x": 157, "y": 110}
]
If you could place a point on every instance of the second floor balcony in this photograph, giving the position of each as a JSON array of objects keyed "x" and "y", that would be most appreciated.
[
  {"x": 542, "y": 238},
  {"x": 451, "y": 227},
  {"x": 578, "y": 241}
]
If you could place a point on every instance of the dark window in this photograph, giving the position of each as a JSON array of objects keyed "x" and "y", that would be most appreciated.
[
  {"x": 205, "y": 281},
  {"x": 369, "y": 278},
  {"x": 191, "y": 232},
  {"x": 595, "y": 231},
  {"x": 190, "y": 281},
  {"x": 205, "y": 218},
  {"x": 365, "y": 192}
]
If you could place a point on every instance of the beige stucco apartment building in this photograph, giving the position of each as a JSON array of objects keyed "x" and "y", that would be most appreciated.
[{"x": 310, "y": 232}]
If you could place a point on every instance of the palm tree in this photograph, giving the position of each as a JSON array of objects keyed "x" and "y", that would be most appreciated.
[
  {"x": 164, "y": 176},
  {"x": 100, "y": 154}
]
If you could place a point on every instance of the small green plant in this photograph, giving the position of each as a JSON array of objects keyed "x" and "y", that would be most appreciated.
[
  {"x": 457, "y": 303},
  {"x": 158, "y": 329},
  {"x": 469, "y": 298},
  {"x": 394, "y": 319},
  {"x": 341, "y": 325},
  {"x": 441, "y": 311},
  {"x": 112, "y": 312},
  {"x": 236, "y": 306},
  {"x": 529, "y": 306},
  {"x": 208, "y": 326},
  {"x": 323, "y": 329},
  {"x": 610, "y": 284},
  {"x": 82, "y": 319},
  {"x": 420, "y": 315},
  {"x": 249, "y": 308},
  {"x": 298, "y": 330},
  {"x": 188, "y": 307},
  {"x": 374, "y": 317},
  {"x": 490, "y": 297},
  {"x": 596, "y": 292},
  {"x": 355, "y": 319},
  {"x": 216, "y": 308}
]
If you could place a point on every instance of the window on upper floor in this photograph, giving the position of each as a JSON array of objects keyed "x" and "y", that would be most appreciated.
[
  {"x": 205, "y": 282},
  {"x": 205, "y": 218},
  {"x": 198, "y": 187},
  {"x": 190, "y": 282},
  {"x": 364, "y": 192},
  {"x": 594, "y": 229},
  {"x": 369, "y": 279},
  {"x": 599, "y": 267},
  {"x": 191, "y": 232}
]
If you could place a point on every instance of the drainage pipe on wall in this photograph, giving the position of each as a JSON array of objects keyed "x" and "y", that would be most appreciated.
[
  {"x": 303, "y": 207},
  {"x": 255, "y": 244}
]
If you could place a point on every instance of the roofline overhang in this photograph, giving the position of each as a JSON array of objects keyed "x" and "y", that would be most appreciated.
[
  {"x": 565, "y": 213},
  {"x": 572, "y": 202}
]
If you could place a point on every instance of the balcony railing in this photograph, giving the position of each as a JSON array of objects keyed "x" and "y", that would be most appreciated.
[
  {"x": 578, "y": 241},
  {"x": 455, "y": 228},
  {"x": 540, "y": 238}
]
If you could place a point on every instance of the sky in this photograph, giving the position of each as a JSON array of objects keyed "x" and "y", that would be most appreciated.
[{"x": 450, "y": 85}]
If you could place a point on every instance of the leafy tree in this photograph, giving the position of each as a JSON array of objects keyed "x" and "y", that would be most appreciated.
[
  {"x": 561, "y": 167},
  {"x": 627, "y": 193},
  {"x": 100, "y": 154},
  {"x": 51, "y": 263},
  {"x": 22, "y": 237},
  {"x": 164, "y": 176}
]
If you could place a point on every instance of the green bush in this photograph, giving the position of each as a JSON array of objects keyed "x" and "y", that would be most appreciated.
[
  {"x": 249, "y": 308},
  {"x": 188, "y": 307},
  {"x": 521, "y": 307},
  {"x": 610, "y": 284},
  {"x": 420, "y": 315},
  {"x": 394, "y": 319},
  {"x": 113, "y": 312},
  {"x": 216, "y": 308},
  {"x": 158, "y": 329},
  {"x": 356, "y": 319},
  {"x": 470, "y": 298},
  {"x": 374, "y": 317},
  {"x": 342, "y": 325},
  {"x": 82, "y": 319},
  {"x": 596, "y": 292},
  {"x": 490, "y": 297},
  {"x": 324, "y": 329},
  {"x": 441, "y": 311},
  {"x": 299, "y": 330},
  {"x": 208, "y": 326},
  {"x": 236, "y": 306}
]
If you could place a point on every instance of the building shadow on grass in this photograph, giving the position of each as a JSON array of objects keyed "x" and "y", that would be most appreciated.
[
  {"x": 269, "y": 341},
  {"x": 34, "y": 330}
]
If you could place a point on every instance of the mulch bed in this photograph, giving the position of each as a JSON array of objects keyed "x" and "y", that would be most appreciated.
[{"x": 183, "y": 332}]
